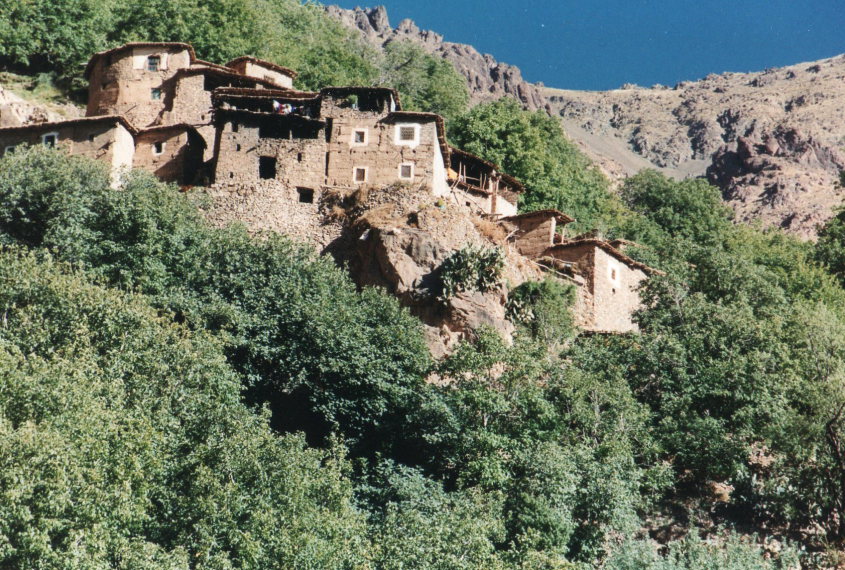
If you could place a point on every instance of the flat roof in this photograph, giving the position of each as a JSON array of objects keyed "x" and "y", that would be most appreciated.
[
  {"x": 609, "y": 249},
  {"x": 263, "y": 63},
  {"x": 73, "y": 122},
  {"x": 548, "y": 213},
  {"x": 132, "y": 45}
]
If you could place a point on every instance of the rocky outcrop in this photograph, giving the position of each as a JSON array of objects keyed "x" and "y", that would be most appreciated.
[
  {"x": 773, "y": 177},
  {"x": 400, "y": 245},
  {"x": 487, "y": 78},
  {"x": 15, "y": 111},
  {"x": 770, "y": 140}
]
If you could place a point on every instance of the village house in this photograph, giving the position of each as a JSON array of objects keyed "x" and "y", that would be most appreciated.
[{"x": 272, "y": 155}]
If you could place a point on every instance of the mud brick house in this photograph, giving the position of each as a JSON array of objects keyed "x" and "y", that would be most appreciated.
[
  {"x": 348, "y": 137},
  {"x": 109, "y": 139},
  {"x": 277, "y": 156},
  {"x": 158, "y": 84}
]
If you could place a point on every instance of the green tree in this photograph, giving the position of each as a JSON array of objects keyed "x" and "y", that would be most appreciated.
[
  {"x": 123, "y": 443},
  {"x": 532, "y": 147}
]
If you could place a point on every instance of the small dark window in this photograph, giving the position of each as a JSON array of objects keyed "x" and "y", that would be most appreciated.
[
  {"x": 237, "y": 147},
  {"x": 306, "y": 195},
  {"x": 406, "y": 171},
  {"x": 153, "y": 63},
  {"x": 50, "y": 140},
  {"x": 360, "y": 174},
  {"x": 235, "y": 127},
  {"x": 91, "y": 138},
  {"x": 105, "y": 85},
  {"x": 360, "y": 137},
  {"x": 299, "y": 157},
  {"x": 158, "y": 148},
  {"x": 231, "y": 175},
  {"x": 267, "y": 167},
  {"x": 155, "y": 94}
]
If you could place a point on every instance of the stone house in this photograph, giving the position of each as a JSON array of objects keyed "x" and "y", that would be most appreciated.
[
  {"x": 157, "y": 84},
  {"x": 110, "y": 139},
  {"x": 347, "y": 138},
  {"x": 607, "y": 280}
]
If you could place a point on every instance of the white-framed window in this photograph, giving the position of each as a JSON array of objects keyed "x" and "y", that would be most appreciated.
[
  {"x": 406, "y": 171},
  {"x": 407, "y": 134},
  {"x": 360, "y": 174},
  {"x": 50, "y": 139},
  {"x": 360, "y": 137},
  {"x": 158, "y": 148},
  {"x": 154, "y": 63},
  {"x": 8, "y": 149}
]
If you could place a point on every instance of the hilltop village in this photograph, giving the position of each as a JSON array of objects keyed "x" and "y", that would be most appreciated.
[{"x": 274, "y": 158}]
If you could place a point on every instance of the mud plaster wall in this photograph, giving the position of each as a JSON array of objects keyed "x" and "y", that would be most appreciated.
[
  {"x": 120, "y": 88},
  {"x": 93, "y": 140},
  {"x": 270, "y": 205},
  {"x": 299, "y": 162},
  {"x": 191, "y": 105},
  {"x": 169, "y": 165},
  {"x": 615, "y": 300},
  {"x": 535, "y": 235},
  {"x": 380, "y": 154}
]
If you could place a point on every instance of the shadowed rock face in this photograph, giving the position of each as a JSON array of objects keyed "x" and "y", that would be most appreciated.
[
  {"x": 487, "y": 78},
  {"x": 773, "y": 178}
]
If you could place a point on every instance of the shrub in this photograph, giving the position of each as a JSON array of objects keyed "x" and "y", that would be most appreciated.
[{"x": 472, "y": 269}]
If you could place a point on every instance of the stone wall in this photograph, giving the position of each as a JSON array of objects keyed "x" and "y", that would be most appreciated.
[
  {"x": 535, "y": 234},
  {"x": 270, "y": 205},
  {"x": 120, "y": 84},
  {"x": 610, "y": 294},
  {"x": 299, "y": 162}
]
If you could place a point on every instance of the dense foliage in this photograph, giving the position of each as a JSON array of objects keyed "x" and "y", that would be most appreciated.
[
  {"x": 533, "y": 455},
  {"x": 59, "y": 36},
  {"x": 532, "y": 147},
  {"x": 472, "y": 269}
]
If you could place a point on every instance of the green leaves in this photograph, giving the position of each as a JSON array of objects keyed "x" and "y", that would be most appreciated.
[
  {"x": 532, "y": 147},
  {"x": 471, "y": 269}
]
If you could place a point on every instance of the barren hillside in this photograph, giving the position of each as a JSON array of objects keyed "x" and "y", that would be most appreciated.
[{"x": 772, "y": 140}]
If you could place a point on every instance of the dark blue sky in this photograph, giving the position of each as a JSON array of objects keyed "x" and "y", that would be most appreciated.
[{"x": 601, "y": 44}]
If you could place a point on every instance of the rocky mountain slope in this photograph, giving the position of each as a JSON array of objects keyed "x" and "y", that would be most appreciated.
[
  {"x": 488, "y": 79},
  {"x": 772, "y": 141}
]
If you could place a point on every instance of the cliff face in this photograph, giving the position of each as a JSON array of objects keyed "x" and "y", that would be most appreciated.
[{"x": 487, "y": 78}]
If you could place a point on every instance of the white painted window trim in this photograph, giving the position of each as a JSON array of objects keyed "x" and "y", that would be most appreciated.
[
  {"x": 397, "y": 134},
  {"x": 366, "y": 174},
  {"x": 163, "y": 148},
  {"x": 50, "y": 134},
  {"x": 366, "y": 132},
  {"x": 412, "y": 165}
]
